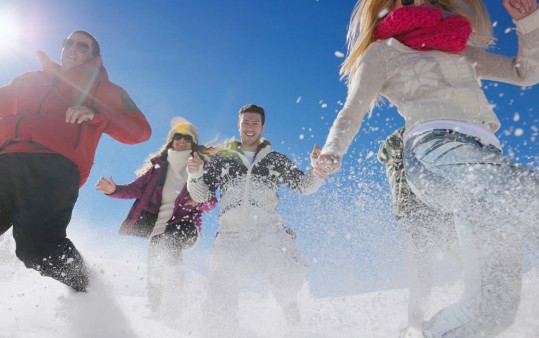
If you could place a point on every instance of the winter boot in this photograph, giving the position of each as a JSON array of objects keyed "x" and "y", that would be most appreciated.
[{"x": 65, "y": 265}]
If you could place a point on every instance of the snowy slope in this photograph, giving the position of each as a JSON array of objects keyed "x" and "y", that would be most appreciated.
[{"x": 32, "y": 306}]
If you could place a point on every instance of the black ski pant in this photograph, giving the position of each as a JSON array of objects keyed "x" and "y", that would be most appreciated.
[{"x": 37, "y": 196}]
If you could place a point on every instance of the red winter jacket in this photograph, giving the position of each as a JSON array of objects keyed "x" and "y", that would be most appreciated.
[{"x": 33, "y": 112}]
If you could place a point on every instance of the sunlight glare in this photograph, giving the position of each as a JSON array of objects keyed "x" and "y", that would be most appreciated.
[{"x": 9, "y": 28}]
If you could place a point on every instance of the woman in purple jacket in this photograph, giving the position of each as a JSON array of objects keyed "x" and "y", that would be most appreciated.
[{"x": 163, "y": 210}]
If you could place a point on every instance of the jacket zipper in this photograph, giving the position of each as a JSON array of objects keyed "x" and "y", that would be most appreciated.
[{"x": 38, "y": 109}]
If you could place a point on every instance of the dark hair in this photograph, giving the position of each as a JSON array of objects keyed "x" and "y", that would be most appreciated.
[
  {"x": 96, "y": 50},
  {"x": 253, "y": 108}
]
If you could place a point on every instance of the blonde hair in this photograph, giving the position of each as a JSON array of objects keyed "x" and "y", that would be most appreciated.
[
  {"x": 183, "y": 127},
  {"x": 367, "y": 13}
]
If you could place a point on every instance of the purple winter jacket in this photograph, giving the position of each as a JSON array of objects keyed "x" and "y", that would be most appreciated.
[{"x": 147, "y": 189}]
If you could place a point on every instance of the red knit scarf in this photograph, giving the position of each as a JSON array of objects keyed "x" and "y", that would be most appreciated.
[{"x": 424, "y": 28}]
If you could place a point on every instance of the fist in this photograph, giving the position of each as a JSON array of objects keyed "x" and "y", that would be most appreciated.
[{"x": 194, "y": 164}]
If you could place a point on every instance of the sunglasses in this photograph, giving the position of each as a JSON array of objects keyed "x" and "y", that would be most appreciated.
[
  {"x": 81, "y": 46},
  {"x": 186, "y": 138},
  {"x": 411, "y": 2}
]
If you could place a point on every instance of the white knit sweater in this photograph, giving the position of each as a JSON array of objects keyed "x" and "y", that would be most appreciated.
[
  {"x": 433, "y": 85},
  {"x": 174, "y": 183}
]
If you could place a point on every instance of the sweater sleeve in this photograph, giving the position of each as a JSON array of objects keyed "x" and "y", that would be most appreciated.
[
  {"x": 132, "y": 190},
  {"x": 522, "y": 69},
  {"x": 364, "y": 87},
  {"x": 209, "y": 205},
  {"x": 295, "y": 179},
  {"x": 202, "y": 185},
  {"x": 122, "y": 118}
]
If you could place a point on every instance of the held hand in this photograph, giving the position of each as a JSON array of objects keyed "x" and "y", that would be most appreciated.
[
  {"x": 194, "y": 164},
  {"x": 106, "y": 186},
  {"x": 191, "y": 203},
  {"x": 79, "y": 114},
  {"x": 314, "y": 157},
  {"x": 519, "y": 9},
  {"x": 327, "y": 163},
  {"x": 315, "y": 153}
]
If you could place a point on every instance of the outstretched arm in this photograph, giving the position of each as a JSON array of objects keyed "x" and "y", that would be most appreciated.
[
  {"x": 105, "y": 186},
  {"x": 364, "y": 86},
  {"x": 132, "y": 190},
  {"x": 297, "y": 180}
]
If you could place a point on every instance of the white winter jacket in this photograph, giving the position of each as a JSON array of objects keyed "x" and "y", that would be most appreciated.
[{"x": 249, "y": 192}]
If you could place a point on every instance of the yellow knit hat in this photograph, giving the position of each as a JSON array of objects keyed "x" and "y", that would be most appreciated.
[{"x": 185, "y": 128}]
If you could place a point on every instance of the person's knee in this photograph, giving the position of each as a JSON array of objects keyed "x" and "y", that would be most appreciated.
[{"x": 183, "y": 235}]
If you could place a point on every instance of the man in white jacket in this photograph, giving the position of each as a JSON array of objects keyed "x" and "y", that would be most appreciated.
[{"x": 251, "y": 236}]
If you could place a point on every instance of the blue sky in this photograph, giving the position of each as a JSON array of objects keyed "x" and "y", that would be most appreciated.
[{"x": 204, "y": 59}]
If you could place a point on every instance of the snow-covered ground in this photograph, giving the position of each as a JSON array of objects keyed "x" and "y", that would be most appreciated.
[{"x": 32, "y": 306}]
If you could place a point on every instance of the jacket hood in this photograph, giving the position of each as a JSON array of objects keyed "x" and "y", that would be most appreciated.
[
  {"x": 90, "y": 67},
  {"x": 235, "y": 145}
]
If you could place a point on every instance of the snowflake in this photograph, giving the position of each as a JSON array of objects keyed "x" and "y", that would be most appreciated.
[{"x": 418, "y": 77}]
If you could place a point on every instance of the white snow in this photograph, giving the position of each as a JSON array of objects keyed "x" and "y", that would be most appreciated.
[{"x": 32, "y": 306}]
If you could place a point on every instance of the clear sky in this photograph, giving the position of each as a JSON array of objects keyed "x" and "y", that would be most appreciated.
[{"x": 204, "y": 59}]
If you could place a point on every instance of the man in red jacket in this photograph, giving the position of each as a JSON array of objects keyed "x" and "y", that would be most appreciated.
[{"x": 50, "y": 124}]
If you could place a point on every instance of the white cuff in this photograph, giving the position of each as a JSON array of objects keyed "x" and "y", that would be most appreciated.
[
  {"x": 528, "y": 24},
  {"x": 196, "y": 175}
]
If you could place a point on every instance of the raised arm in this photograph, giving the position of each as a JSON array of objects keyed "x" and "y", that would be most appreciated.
[
  {"x": 523, "y": 69},
  {"x": 519, "y": 9},
  {"x": 199, "y": 176}
]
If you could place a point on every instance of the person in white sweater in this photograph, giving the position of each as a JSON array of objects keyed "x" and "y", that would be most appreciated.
[
  {"x": 164, "y": 212},
  {"x": 251, "y": 235},
  {"x": 427, "y": 58}
]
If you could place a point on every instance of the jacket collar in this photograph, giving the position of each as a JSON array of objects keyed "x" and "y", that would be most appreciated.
[
  {"x": 234, "y": 146},
  {"x": 92, "y": 68},
  {"x": 78, "y": 83}
]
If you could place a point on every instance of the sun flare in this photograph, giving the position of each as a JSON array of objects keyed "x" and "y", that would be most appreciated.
[{"x": 9, "y": 28}]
